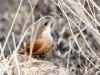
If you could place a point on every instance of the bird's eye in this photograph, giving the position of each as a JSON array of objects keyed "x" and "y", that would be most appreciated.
[{"x": 46, "y": 24}]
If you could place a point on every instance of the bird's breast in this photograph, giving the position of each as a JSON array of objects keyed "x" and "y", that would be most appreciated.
[{"x": 42, "y": 45}]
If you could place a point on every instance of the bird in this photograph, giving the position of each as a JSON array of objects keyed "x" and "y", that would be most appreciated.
[{"x": 43, "y": 42}]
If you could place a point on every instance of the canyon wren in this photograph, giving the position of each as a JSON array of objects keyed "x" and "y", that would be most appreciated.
[{"x": 43, "y": 42}]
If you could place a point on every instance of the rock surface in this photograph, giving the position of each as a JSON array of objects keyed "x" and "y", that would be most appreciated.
[{"x": 37, "y": 67}]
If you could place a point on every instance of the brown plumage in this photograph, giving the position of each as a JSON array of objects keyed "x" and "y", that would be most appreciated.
[{"x": 43, "y": 42}]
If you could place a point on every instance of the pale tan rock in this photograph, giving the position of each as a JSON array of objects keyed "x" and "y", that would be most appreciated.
[{"x": 38, "y": 67}]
